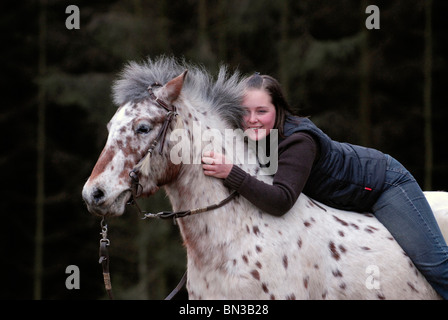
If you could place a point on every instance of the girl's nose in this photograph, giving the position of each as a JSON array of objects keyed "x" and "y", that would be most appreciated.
[{"x": 252, "y": 117}]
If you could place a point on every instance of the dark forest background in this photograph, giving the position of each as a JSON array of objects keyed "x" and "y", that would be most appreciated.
[{"x": 383, "y": 88}]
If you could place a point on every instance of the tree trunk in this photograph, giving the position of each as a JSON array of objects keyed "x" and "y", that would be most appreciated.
[
  {"x": 204, "y": 49},
  {"x": 427, "y": 108},
  {"x": 40, "y": 146},
  {"x": 142, "y": 261},
  {"x": 283, "y": 49},
  {"x": 222, "y": 31},
  {"x": 364, "y": 89}
]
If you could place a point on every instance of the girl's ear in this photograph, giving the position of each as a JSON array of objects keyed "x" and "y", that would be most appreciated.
[{"x": 172, "y": 89}]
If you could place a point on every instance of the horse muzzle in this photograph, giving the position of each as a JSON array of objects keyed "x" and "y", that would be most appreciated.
[{"x": 102, "y": 202}]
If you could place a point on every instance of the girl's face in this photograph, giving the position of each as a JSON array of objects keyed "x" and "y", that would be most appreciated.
[{"x": 260, "y": 114}]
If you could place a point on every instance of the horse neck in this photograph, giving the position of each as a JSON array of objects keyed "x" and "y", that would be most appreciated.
[{"x": 192, "y": 189}]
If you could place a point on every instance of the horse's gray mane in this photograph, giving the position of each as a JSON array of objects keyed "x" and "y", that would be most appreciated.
[{"x": 223, "y": 94}]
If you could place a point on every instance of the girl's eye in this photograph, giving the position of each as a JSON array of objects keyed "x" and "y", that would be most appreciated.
[{"x": 143, "y": 128}]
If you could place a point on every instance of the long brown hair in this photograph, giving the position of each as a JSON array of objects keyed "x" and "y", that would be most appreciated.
[{"x": 273, "y": 88}]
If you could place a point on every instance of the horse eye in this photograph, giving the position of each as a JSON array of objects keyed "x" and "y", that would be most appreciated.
[{"x": 143, "y": 128}]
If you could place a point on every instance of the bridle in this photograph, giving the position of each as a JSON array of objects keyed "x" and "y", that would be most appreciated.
[
  {"x": 159, "y": 140},
  {"x": 169, "y": 117}
]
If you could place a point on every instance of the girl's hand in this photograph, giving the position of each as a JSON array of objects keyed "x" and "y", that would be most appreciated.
[{"x": 216, "y": 165}]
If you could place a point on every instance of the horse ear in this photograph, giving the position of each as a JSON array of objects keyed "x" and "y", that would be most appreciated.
[{"x": 173, "y": 88}]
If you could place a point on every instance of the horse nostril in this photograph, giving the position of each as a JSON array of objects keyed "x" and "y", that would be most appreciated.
[{"x": 98, "y": 195}]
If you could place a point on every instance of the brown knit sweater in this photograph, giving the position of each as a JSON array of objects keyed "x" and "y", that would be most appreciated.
[{"x": 296, "y": 155}]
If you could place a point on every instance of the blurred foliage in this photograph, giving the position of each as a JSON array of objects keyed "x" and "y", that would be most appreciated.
[{"x": 312, "y": 46}]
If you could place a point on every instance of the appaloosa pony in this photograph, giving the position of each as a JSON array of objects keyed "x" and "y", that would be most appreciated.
[{"x": 237, "y": 251}]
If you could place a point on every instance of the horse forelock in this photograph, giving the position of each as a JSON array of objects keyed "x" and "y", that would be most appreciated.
[{"x": 223, "y": 94}]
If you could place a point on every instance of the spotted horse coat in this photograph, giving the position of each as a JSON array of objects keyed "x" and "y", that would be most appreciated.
[{"x": 238, "y": 251}]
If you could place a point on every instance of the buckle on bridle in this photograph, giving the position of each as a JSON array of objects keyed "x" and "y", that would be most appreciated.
[{"x": 135, "y": 184}]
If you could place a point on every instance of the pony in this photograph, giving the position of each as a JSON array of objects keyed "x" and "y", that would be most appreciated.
[{"x": 236, "y": 251}]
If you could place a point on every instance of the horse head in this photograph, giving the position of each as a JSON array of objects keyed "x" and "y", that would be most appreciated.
[{"x": 135, "y": 128}]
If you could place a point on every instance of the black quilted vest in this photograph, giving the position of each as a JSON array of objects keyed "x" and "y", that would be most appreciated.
[{"x": 346, "y": 176}]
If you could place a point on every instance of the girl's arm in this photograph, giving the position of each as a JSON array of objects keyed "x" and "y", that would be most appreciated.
[{"x": 297, "y": 154}]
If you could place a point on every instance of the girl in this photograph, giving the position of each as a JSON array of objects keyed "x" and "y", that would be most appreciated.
[{"x": 340, "y": 175}]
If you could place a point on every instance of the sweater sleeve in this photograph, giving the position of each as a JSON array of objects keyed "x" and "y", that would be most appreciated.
[{"x": 295, "y": 160}]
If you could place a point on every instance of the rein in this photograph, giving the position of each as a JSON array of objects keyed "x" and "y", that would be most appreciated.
[
  {"x": 105, "y": 242},
  {"x": 172, "y": 214}
]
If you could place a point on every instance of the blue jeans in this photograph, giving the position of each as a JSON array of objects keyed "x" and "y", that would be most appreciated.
[{"x": 404, "y": 211}]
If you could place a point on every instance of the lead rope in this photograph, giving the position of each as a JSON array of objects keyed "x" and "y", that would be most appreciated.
[
  {"x": 104, "y": 261},
  {"x": 105, "y": 242},
  {"x": 104, "y": 258}
]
